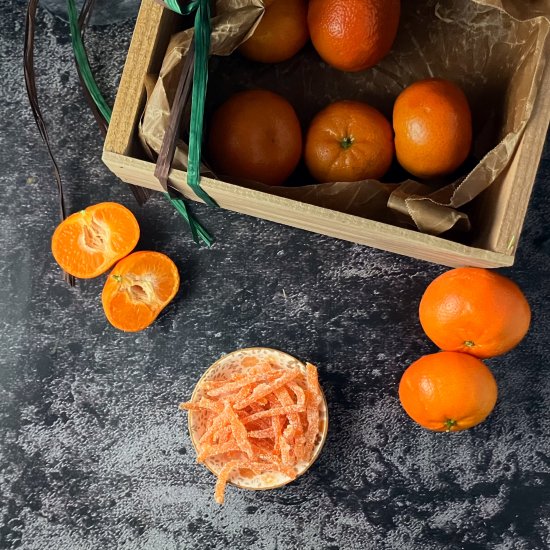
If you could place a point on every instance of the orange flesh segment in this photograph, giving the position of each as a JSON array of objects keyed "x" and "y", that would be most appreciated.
[{"x": 262, "y": 418}]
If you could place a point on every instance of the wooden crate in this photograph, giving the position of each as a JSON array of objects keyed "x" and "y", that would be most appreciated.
[{"x": 503, "y": 206}]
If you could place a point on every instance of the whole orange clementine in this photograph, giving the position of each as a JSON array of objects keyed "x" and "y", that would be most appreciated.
[
  {"x": 281, "y": 33},
  {"x": 255, "y": 135},
  {"x": 433, "y": 128},
  {"x": 355, "y": 34},
  {"x": 349, "y": 141},
  {"x": 475, "y": 311},
  {"x": 448, "y": 391}
]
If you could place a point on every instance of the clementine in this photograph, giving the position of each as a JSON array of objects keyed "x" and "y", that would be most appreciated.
[
  {"x": 255, "y": 135},
  {"x": 349, "y": 141},
  {"x": 138, "y": 289},
  {"x": 448, "y": 391},
  {"x": 475, "y": 311},
  {"x": 433, "y": 128},
  {"x": 281, "y": 33},
  {"x": 89, "y": 242},
  {"x": 353, "y": 35}
]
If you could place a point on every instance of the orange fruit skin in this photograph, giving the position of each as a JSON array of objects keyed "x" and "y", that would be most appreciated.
[
  {"x": 433, "y": 128},
  {"x": 87, "y": 243},
  {"x": 281, "y": 33},
  {"x": 475, "y": 311},
  {"x": 353, "y": 35},
  {"x": 138, "y": 289},
  {"x": 448, "y": 391},
  {"x": 255, "y": 135},
  {"x": 349, "y": 141}
]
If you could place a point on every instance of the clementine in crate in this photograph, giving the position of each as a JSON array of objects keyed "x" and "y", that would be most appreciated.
[
  {"x": 257, "y": 419},
  {"x": 281, "y": 33},
  {"x": 448, "y": 391},
  {"x": 349, "y": 141},
  {"x": 255, "y": 135},
  {"x": 88, "y": 243},
  {"x": 475, "y": 311},
  {"x": 138, "y": 289},
  {"x": 353, "y": 35},
  {"x": 433, "y": 128}
]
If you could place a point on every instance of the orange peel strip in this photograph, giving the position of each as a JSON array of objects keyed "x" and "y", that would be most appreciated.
[
  {"x": 262, "y": 390},
  {"x": 297, "y": 440},
  {"x": 261, "y": 434},
  {"x": 202, "y": 403},
  {"x": 254, "y": 408},
  {"x": 299, "y": 393},
  {"x": 312, "y": 431},
  {"x": 239, "y": 430},
  {"x": 312, "y": 380},
  {"x": 217, "y": 423},
  {"x": 223, "y": 435},
  {"x": 223, "y": 477},
  {"x": 313, "y": 398},
  {"x": 284, "y": 446},
  {"x": 279, "y": 411},
  {"x": 237, "y": 385},
  {"x": 214, "y": 450},
  {"x": 243, "y": 393}
]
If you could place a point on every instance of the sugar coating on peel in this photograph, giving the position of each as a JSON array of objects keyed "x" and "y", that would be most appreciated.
[{"x": 258, "y": 425}]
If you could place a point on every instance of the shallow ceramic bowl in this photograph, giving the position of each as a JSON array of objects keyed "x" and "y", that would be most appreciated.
[{"x": 220, "y": 370}]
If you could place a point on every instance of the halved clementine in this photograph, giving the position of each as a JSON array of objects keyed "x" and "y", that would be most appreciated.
[
  {"x": 88, "y": 243},
  {"x": 138, "y": 289}
]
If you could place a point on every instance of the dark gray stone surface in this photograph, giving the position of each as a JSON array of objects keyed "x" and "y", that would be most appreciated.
[
  {"x": 94, "y": 452},
  {"x": 105, "y": 11}
]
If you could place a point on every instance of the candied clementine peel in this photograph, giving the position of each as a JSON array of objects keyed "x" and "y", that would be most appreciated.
[{"x": 261, "y": 418}]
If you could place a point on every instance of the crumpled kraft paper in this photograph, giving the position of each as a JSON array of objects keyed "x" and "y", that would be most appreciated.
[{"x": 494, "y": 49}]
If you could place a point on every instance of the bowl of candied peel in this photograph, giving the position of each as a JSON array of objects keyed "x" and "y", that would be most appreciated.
[{"x": 258, "y": 419}]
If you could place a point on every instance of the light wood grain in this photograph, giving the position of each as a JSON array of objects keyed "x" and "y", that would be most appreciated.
[
  {"x": 518, "y": 185},
  {"x": 129, "y": 99},
  {"x": 313, "y": 218}
]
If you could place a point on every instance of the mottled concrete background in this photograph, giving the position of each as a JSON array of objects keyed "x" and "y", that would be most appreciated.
[{"x": 94, "y": 453}]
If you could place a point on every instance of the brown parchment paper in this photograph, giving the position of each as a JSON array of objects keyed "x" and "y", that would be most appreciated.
[{"x": 494, "y": 49}]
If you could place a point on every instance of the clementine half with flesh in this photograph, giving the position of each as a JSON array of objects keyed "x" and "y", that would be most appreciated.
[
  {"x": 89, "y": 242},
  {"x": 255, "y": 135},
  {"x": 448, "y": 391},
  {"x": 475, "y": 311},
  {"x": 138, "y": 289},
  {"x": 433, "y": 128},
  {"x": 281, "y": 33},
  {"x": 349, "y": 141},
  {"x": 353, "y": 35}
]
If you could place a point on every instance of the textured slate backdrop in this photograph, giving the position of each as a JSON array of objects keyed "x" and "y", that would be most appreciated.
[{"x": 94, "y": 453}]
